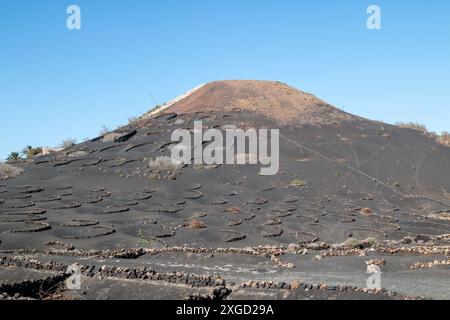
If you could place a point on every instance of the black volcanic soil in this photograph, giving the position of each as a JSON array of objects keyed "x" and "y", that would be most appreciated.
[{"x": 130, "y": 228}]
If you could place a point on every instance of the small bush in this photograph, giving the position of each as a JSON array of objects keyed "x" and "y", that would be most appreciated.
[
  {"x": 68, "y": 143},
  {"x": 156, "y": 107},
  {"x": 411, "y": 125},
  {"x": 358, "y": 244},
  {"x": 298, "y": 183},
  {"x": 351, "y": 243},
  {"x": 145, "y": 239},
  {"x": 29, "y": 152},
  {"x": 370, "y": 242},
  {"x": 105, "y": 130},
  {"x": 132, "y": 120},
  {"x": 444, "y": 138},
  {"x": 162, "y": 163},
  {"x": 8, "y": 171},
  {"x": 110, "y": 137},
  {"x": 196, "y": 225}
]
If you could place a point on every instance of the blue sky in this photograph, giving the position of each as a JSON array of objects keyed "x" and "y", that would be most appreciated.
[{"x": 130, "y": 55}]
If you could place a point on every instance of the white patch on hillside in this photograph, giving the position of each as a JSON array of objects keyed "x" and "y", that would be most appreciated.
[{"x": 171, "y": 103}]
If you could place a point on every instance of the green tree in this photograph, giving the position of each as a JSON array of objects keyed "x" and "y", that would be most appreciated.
[
  {"x": 29, "y": 152},
  {"x": 13, "y": 156}
]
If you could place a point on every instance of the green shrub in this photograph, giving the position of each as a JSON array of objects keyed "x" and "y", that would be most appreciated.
[
  {"x": 29, "y": 152},
  {"x": 297, "y": 183},
  {"x": 370, "y": 242},
  {"x": 359, "y": 244},
  {"x": 351, "y": 243},
  {"x": 13, "y": 156}
]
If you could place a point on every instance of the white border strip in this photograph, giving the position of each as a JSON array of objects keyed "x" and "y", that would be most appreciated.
[{"x": 172, "y": 102}]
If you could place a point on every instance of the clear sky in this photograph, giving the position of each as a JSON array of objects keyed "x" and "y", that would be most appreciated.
[{"x": 131, "y": 55}]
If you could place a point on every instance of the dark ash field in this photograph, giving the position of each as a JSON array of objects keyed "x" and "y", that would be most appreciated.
[{"x": 350, "y": 193}]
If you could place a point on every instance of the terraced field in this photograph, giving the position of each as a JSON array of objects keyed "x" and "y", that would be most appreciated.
[{"x": 350, "y": 193}]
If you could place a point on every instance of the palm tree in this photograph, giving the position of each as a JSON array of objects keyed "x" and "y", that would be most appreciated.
[
  {"x": 13, "y": 156},
  {"x": 27, "y": 152}
]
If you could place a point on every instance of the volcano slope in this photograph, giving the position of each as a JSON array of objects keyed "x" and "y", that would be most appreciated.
[{"x": 350, "y": 193}]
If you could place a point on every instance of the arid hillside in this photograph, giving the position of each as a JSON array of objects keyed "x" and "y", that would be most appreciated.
[{"x": 350, "y": 193}]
